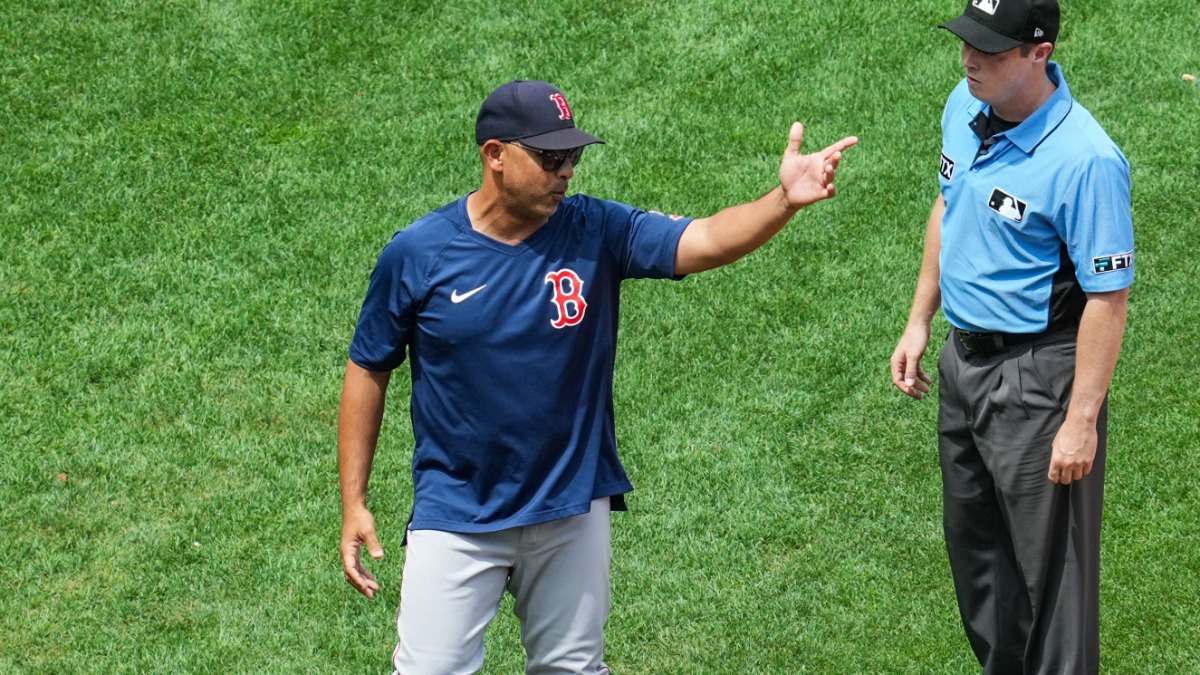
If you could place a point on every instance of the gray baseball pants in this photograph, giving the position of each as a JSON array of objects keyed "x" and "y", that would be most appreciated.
[{"x": 557, "y": 572}]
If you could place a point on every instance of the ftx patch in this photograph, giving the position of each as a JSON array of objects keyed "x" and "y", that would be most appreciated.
[{"x": 1112, "y": 263}]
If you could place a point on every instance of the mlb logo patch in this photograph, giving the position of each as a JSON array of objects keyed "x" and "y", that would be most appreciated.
[
  {"x": 1007, "y": 205},
  {"x": 947, "y": 169},
  {"x": 1112, "y": 263},
  {"x": 986, "y": 6}
]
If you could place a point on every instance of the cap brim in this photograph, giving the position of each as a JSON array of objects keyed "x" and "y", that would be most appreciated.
[
  {"x": 560, "y": 139},
  {"x": 980, "y": 36}
]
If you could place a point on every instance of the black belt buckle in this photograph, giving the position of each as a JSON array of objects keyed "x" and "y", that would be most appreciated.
[
  {"x": 992, "y": 343},
  {"x": 980, "y": 343}
]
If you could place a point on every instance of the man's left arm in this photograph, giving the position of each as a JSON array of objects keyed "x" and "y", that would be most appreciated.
[
  {"x": 1101, "y": 330},
  {"x": 735, "y": 231}
]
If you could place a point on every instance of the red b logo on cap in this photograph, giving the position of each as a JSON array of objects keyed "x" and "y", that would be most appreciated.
[{"x": 564, "y": 110}]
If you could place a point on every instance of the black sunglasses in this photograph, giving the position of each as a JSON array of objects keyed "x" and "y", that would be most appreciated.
[{"x": 552, "y": 160}]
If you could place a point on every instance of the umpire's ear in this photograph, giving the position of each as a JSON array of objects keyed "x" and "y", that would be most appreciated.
[{"x": 1043, "y": 52}]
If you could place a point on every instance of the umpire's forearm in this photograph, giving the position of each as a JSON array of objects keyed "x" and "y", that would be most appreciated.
[
  {"x": 928, "y": 296},
  {"x": 359, "y": 419},
  {"x": 1101, "y": 330}
]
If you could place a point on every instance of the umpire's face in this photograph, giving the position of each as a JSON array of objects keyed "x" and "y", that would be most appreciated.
[{"x": 999, "y": 79}]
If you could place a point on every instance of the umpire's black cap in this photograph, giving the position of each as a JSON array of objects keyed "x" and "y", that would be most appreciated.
[
  {"x": 995, "y": 26},
  {"x": 535, "y": 113}
]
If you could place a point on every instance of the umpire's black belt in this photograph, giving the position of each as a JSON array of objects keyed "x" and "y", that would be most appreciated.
[{"x": 993, "y": 343}]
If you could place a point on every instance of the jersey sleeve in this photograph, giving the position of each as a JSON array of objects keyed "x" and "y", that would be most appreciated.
[
  {"x": 643, "y": 241},
  {"x": 385, "y": 322},
  {"x": 1097, "y": 225}
]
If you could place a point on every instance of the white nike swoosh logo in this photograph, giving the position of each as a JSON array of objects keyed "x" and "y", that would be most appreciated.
[{"x": 456, "y": 298}]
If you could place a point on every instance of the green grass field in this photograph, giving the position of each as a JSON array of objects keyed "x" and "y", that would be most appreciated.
[{"x": 192, "y": 196}]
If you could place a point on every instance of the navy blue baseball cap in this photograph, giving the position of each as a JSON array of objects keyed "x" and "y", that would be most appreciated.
[
  {"x": 535, "y": 113},
  {"x": 995, "y": 26}
]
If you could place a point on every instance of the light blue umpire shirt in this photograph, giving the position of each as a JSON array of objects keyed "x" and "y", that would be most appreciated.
[{"x": 1050, "y": 193}]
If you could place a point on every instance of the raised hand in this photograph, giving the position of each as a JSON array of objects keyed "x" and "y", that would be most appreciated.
[{"x": 807, "y": 179}]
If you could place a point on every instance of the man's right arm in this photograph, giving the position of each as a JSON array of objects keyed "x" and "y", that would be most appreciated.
[
  {"x": 733, "y": 232},
  {"x": 907, "y": 373},
  {"x": 359, "y": 421}
]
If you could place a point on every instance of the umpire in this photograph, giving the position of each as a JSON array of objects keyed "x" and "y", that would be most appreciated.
[{"x": 1029, "y": 253}]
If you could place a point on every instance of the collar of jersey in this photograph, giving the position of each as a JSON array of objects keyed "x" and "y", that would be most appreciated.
[
  {"x": 1029, "y": 134},
  {"x": 464, "y": 225}
]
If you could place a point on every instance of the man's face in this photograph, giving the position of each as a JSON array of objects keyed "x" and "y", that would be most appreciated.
[
  {"x": 996, "y": 78},
  {"x": 530, "y": 188}
]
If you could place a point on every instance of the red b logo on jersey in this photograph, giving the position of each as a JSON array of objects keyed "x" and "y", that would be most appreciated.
[
  {"x": 568, "y": 297},
  {"x": 564, "y": 110}
]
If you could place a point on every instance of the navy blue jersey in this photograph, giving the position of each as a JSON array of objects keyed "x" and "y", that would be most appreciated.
[{"x": 511, "y": 350}]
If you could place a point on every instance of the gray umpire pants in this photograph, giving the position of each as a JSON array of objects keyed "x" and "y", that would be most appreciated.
[{"x": 1024, "y": 552}]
